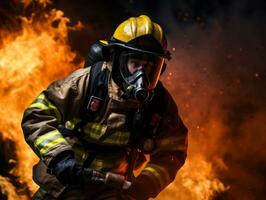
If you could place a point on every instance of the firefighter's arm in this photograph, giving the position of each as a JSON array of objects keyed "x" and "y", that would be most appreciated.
[
  {"x": 168, "y": 158},
  {"x": 164, "y": 164},
  {"x": 60, "y": 101}
]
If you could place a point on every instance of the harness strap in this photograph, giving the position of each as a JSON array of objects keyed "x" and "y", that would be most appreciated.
[{"x": 97, "y": 87}]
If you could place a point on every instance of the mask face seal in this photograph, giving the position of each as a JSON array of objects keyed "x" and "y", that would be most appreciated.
[{"x": 140, "y": 73}]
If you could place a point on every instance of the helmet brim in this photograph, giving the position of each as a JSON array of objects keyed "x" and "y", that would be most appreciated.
[{"x": 152, "y": 48}]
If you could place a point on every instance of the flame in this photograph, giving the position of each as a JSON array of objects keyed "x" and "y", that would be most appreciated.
[
  {"x": 8, "y": 188},
  {"x": 196, "y": 180},
  {"x": 43, "y": 3},
  {"x": 39, "y": 54},
  {"x": 29, "y": 61}
]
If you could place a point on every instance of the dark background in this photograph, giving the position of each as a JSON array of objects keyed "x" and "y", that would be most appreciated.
[{"x": 225, "y": 37}]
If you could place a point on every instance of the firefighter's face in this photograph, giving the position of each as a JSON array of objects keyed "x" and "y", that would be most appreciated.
[{"x": 135, "y": 64}]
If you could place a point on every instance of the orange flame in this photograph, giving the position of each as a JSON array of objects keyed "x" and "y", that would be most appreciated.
[
  {"x": 8, "y": 189},
  {"x": 198, "y": 179},
  {"x": 39, "y": 54},
  {"x": 29, "y": 61}
]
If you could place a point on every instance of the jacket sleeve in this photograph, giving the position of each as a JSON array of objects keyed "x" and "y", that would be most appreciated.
[
  {"x": 61, "y": 101},
  {"x": 171, "y": 150}
]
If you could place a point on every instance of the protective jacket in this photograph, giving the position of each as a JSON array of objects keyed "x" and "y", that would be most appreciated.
[{"x": 108, "y": 136}]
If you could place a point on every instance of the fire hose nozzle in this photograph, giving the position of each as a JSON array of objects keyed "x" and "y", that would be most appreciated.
[
  {"x": 117, "y": 181},
  {"x": 111, "y": 179}
]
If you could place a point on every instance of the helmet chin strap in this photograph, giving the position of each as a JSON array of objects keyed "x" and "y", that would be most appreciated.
[{"x": 136, "y": 86}]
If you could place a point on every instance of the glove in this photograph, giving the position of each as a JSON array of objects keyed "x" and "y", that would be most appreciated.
[
  {"x": 69, "y": 172},
  {"x": 66, "y": 169}
]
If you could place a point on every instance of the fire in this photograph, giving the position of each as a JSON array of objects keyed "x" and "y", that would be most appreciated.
[
  {"x": 196, "y": 180},
  {"x": 29, "y": 61},
  {"x": 7, "y": 188},
  {"x": 36, "y": 56},
  {"x": 26, "y": 3}
]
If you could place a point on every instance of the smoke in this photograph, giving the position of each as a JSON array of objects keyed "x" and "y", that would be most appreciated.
[{"x": 219, "y": 78}]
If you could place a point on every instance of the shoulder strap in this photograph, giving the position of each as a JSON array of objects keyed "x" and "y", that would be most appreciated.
[{"x": 96, "y": 94}]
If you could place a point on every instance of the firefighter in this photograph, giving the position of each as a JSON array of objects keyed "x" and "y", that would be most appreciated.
[{"x": 110, "y": 130}]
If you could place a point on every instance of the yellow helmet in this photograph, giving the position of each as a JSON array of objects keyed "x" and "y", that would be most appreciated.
[
  {"x": 140, "y": 34},
  {"x": 137, "y": 26}
]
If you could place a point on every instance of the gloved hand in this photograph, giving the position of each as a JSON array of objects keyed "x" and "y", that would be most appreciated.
[{"x": 67, "y": 170}]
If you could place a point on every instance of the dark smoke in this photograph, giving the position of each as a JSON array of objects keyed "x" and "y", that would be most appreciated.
[{"x": 221, "y": 72}]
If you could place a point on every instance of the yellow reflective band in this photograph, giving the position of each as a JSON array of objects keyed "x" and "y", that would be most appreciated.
[
  {"x": 103, "y": 164},
  {"x": 164, "y": 174},
  {"x": 45, "y": 100},
  {"x": 46, "y": 136},
  {"x": 113, "y": 139},
  {"x": 156, "y": 174},
  {"x": 43, "y": 103},
  {"x": 39, "y": 105},
  {"x": 94, "y": 131},
  {"x": 53, "y": 143},
  {"x": 81, "y": 153},
  {"x": 99, "y": 128},
  {"x": 72, "y": 123},
  {"x": 41, "y": 96},
  {"x": 172, "y": 143},
  {"x": 119, "y": 138},
  {"x": 153, "y": 171},
  {"x": 84, "y": 156},
  {"x": 97, "y": 164}
]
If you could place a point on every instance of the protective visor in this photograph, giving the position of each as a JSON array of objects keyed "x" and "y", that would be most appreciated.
[{"x": 150, "y": 64}]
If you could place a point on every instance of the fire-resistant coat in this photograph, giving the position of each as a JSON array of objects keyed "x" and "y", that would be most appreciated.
[{"x": 60, "y": 104}]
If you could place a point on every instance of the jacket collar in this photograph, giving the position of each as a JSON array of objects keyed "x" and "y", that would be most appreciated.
[{"x": 114, "y": 91}]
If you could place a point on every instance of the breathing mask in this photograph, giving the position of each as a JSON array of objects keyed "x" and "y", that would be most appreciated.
[{"x": 140, "y": 73}]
